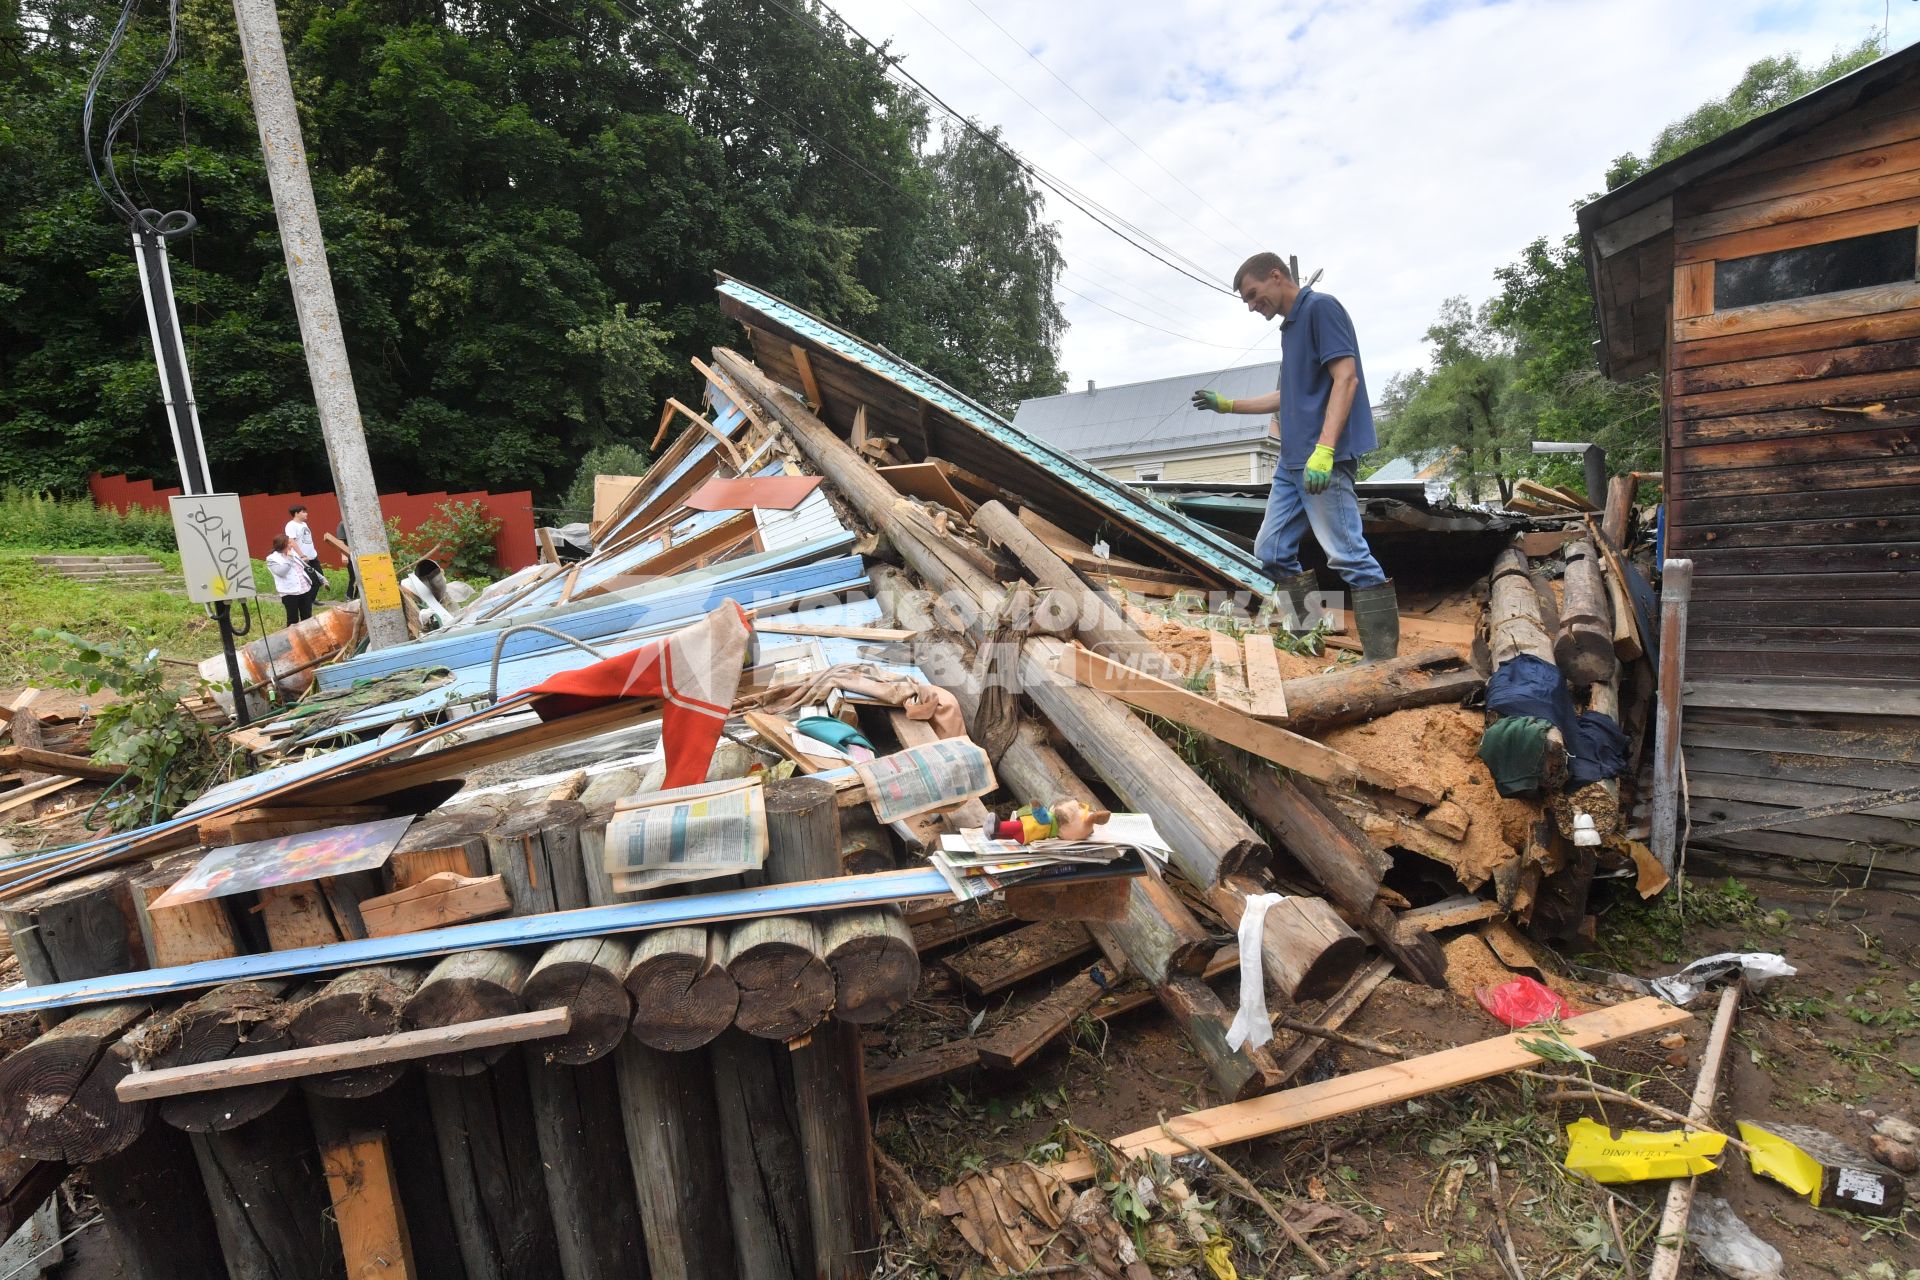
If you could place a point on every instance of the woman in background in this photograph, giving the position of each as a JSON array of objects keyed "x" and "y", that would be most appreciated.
[{"x": 291, "y": 580}]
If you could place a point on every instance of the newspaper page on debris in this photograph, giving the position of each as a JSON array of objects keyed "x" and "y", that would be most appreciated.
[
  {"x": 691, "y": 833},
  {"x": 927, "y": 777}
]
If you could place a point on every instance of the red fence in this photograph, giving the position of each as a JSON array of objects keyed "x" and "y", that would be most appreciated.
[{"x": 266, "y": 514}]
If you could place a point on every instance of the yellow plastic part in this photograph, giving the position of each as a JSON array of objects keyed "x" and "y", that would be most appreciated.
[
  {"x": 1634, "y": 1155},
  {"x": 1772, "y": 1156},
  {"x": 1219, "y": 1256}
]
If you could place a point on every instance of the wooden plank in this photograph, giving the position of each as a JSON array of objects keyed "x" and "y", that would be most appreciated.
[
  {"x": 366, "y": 1207},
  {"x": 841, "y": 892},
  {"x": 1848, "y": 304},
  {"x": 1707, "y": 811},
  {"x": 1875, "y": 123},
  {"x": 950, "y": 927},
  {"x": 1800, "y": 366},
  {"x": 803, "y": 365},
  {"x": 549, "y": 554},
  {"x": 1383, "y": 1086},
  {"x": 1062, "y": 542},
  {"x": 293, "y": 1064},
  {"x": 1033, "y": 949},
  {"x": 443, "y": 898},
  {"x": 1676, "y": 581},
  {"x": 1835, "y": 173},
  {"x": 1015, "y": 1041},
  {"x": 1347, "y": 1002},
  {"x": 1714, "y": 791},
  {"x": 1870, "y": 557},
  {"x": 1847, "y": 476},
  {"x": 1867, "y": 444},
  {"x": 915, "y": 1069},
  {"x": 1787, "y": 766},
  {"x": 1796, "y": 533},
  {"x": 927, "y": 480},
  {"x": 1736, "y": 731},
  {"x": 1823, "y": 335},
  {"x": 1798, "y": 586},
  {"x": 1269, "y": 742},
  {"x": 1893, "y": 642},
  {"x": 1266, "y": 691},
  {"x": 1812, "y": 813},
  {"x": 1229, "y": 675},
  {"x": 58, "y": 762},
  {"x": 1797, "y": 206},
  {"x": 877, "y": 635},
  {"x": 1693, "y": 289},
  {"x": 1673, "y": 1220},
  {"x": 36, "y": 791},
  {"x": 1833, "y": 226},
  {"x": 1813, "y": 664},
  {"x": 1857, "y": 387},
  {"x": 1817, "y": 420}
]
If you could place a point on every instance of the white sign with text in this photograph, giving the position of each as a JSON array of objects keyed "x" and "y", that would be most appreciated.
[{"x": 213, "y": 547}]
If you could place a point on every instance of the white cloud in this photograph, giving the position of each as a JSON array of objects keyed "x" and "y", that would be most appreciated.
[{"x": 1408, "y": 147}]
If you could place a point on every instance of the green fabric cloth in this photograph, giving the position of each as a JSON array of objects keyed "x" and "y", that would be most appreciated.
[{"x": 1515, "y": 749}]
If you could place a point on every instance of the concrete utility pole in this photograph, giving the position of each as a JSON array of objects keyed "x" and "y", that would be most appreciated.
[{"x": 333, "y": 395}]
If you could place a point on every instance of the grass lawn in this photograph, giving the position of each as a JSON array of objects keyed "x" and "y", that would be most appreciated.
[{"x": 32, "y": 596}]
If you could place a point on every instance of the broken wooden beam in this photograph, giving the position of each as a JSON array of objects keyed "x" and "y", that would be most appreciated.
[
  {"x": 875, "y": 964},
  {"x": 1380, "y": 1086},
  {"x": 1584, "y": 647},
  {"x": 58, "y": 1098},
  {"x": 1367, "y": 691},
  {"x": 1028, "y": 951}
]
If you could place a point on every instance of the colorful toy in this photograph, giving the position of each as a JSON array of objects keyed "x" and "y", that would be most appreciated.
[{"x": 1064, "y": 820}]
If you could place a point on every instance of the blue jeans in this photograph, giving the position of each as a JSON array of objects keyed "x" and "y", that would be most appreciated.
[{"x": 1333, "y": 514}]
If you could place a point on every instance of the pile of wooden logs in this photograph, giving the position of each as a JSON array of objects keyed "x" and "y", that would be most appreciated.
[{"x": 581, "y": 1136}]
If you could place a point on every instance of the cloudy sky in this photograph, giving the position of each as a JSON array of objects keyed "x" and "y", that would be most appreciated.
[{"x": 1408, "y": 147}]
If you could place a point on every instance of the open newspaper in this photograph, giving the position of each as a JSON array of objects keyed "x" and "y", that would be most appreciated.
[
  {"x": 920, "y": 779},
  {"x": 690, "y": 833},
  {"x": 975, "y": 865}
]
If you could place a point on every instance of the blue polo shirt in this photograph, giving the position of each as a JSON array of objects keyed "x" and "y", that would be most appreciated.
[{"x": 1317, "y": 331}]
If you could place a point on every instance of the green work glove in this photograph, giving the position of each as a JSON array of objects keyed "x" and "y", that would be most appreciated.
[
  {"x": 1212, "y": 400},
  {"x": 1320, "y": 469}
]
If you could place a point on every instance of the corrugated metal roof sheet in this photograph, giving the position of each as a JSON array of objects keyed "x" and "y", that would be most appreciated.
[{"x": 1145, "y": 417}]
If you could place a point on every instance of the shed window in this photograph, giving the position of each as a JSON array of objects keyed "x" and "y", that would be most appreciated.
[
  {"x": 1886, "y": 257},
  {"x": 1146, "y": 473}
]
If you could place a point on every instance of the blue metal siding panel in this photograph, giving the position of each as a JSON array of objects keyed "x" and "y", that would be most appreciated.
[{"x": 1204, "y": 547}]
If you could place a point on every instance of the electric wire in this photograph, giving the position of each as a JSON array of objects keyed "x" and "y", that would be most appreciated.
[
  {"x": 1070, "y": 135},
  {"x": 1015, "y": 40},
  {"x": 101, "y": 167},
  {"x": 1058, "y": 186},
  {"x": 828, "y": 147}
]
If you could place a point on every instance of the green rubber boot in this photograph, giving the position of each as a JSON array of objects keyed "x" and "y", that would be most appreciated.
[
  {"x": 1376, "y": 616},
  {"x": 1294, "y": 591}
]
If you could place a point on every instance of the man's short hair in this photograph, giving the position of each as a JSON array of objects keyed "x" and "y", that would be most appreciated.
[
  {"x": 1260, "y": 264},
  {"x": 296, "y": 508}
]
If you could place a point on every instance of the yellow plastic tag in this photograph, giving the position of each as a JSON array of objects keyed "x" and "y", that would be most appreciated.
[
  {"x": 378, "y": 583},
  {"x": 1633, "y": 1155},
  {"x": 1772, "y": 1156}
]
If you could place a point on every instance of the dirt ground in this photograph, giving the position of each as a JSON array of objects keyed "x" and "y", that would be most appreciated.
[{"x": 1832, "y": 1047}]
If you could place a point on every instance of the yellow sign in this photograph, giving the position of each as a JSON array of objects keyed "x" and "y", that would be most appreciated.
[{"x": 377, "y": 583}]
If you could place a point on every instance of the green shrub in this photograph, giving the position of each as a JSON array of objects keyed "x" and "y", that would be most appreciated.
[
  {"x": 39, "y": 520},
  {"x": 168, "y": 754},
  {"x": 460, "y": 536},
  {"x": 616, "y": 459}
]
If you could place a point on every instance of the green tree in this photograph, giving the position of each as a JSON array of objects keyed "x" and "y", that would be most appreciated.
[
  {"x": 1464, "y": 402},
  {"x": 526, "y": 202},
  {"x": 1521, "y": 367}
]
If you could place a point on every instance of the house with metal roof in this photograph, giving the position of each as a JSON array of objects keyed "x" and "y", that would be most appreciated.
[{"x": 1151, "y": 431}]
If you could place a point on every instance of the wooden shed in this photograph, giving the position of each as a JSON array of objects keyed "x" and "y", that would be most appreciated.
[{"x": 1770, "y": 278}]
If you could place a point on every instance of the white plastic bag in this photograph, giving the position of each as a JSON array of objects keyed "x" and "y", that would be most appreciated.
[{"x": 1728, "y": 1245}]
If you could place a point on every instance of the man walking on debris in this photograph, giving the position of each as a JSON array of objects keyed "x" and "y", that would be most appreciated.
[{"x": 1326, "y": 423}]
